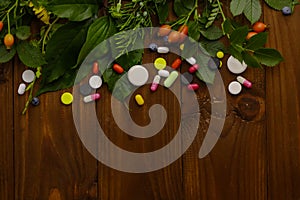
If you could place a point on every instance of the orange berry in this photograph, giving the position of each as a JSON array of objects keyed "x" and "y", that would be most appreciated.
[
  {"x": 259, "y": 27},
  {"x": 250, "y": 35},
  {"x": 183, "y": 30},
  {"x": 164, "y": 30},
  {"x": 9, "y": 40},
  {"x": 174, "y": 37},
  {"x": 1, "y": 25}
]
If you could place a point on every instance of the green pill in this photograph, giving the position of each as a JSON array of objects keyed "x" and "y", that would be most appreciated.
[{"x": 171, "y": 79}]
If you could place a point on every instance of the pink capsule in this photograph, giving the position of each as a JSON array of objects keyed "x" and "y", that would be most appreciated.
[
  {"x": 193, "y": 86},
  {"x": 155, "y": 83},
  {"x": 193, "y": 68},
  {"x": 244, "y": 82},
  {"x": 95, "y": 67},
  {"x": 92, "y": 97}
]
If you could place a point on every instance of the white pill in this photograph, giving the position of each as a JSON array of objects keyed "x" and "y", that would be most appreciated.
[
  {"x": 28, "y": 76},
  {"x": 235, "y": 66},
  {"x": 191, "y": 60},
  {"x": 163, "y": 50},
  {"x": 234, "y": 88},
  {"x": 95, "y": 82},
  {"x": 163, "y": 73},
  {"x": 21, "y": 89},
  {"x": 138, "y": 75}
]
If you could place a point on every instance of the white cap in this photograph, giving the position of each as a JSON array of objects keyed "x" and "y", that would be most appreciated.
[{"x": 234, "y": 88}]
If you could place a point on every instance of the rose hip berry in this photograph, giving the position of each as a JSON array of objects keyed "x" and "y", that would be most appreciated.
[
  {"x": 164, "y": 30},
  {"x": 250, "y": 35},
  {"x": 9, "y": 40},
  {"x": 1, "y": 25},
  {"x": 259, "y": 27}
]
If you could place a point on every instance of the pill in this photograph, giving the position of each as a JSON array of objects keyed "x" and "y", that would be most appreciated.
[
  {"x": 244, "y": 82},
  {"x": 139, "y": 99},
  {"x": 221, "y": 64},
  {"x": 234, "y": 88},
  {"x": 85, "y": 89},
  {"x": 95, "y": 82},
  {"x": 138, "y": 75},
  {"x": 193, "y": 68},
  {"x": 35, "y": 101},
  {"x": 21, "y": 89},
  {"x": 213, "y": 63},
  {"x": 193, "y": 86},
  {"x": 176, "y": 63},
  {"x": 95, "y": 67},
  {"x": 171, "y": 79},
  {"x": 117, "y": 68},
  {"x": 66, "y": 98},
  {"x": 186, "y": 78},
  {"x": 155, "y": 83},
  {"x": 153, "y": 47},
  {"x": 92, "y": 97},
  {"x": 28, "y": 76},
  {"x": 181, "y": 47},
  {"x": 160, "y": 63},
  {"x": 191, "y": 60},
  {"x": 235, "y": 66},
  {"x": 163, "y": 73},
  {"x": 220, "y": 54},
  {"x": 163, "y": 50}
]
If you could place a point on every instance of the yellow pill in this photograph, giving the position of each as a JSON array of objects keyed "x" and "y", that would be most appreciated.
[
  {"x": 181, "y": 47},
  {"x": 221, "y": 63},
  {"x": 66, "y": 98},
  {"x": 160, "y": 63},
  {"x": 139, "y": 99},
  {"x": 220, "y": 54}
]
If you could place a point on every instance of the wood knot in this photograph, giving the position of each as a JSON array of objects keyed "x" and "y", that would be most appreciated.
[{"x": 251, "y": 108}]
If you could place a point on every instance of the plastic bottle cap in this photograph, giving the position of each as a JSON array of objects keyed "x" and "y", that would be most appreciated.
[
  {"x": 138, "y": 75},
  {"x": 95, "y": 82},
  {"x": 160, "y": 63},
  {"x": 234, "y": 88},
  {"x": 28, "y": 76},
  {"x": 66, "y": 98},
  {"x": 235, "y": 66}
]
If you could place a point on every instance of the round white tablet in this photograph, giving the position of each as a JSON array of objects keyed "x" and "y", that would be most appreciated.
[
  {"x": 234, "y": 88},
  {"x": 235, "y": 66},
  {"x": 28, "y": 76},
  {"x": 95, "y": 82},
  {"x": 138, "y": 75}
]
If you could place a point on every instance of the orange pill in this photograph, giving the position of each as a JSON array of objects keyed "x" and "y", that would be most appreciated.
[
  {"x": 95, "y": 67},
  {"x": 117, "y": 68},
  {"x": 176, "y": 63}
]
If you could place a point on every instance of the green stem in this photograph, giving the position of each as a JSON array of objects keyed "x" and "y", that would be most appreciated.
[
  {"x": 8, "y": 22},
  {"x": 221, "y": 10},
  {"x": 46, "y": 34},
  {"x": 30, "y": 97},
  {"x": 190, "y": 13}
]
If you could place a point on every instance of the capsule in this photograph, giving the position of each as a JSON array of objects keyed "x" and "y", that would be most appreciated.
[
  {"x": 117, "y": 68},
  {"x": 193, "y": 68},
  {"x": 191, "y": 60},
  {"x": 244, "y": 82},
  {"x": 176, "y": 63},
  {"x": 155, "y": 83},
  {"x": 21, "y": 89},
  {"x": 163, "y": 50},
  {"x": 92, "y": 97},
  {"x": 163, "y": 73},
  {"x": 171, "y": 79},
  {"x": 193, "y": 86},
  {"x": 95, "y": 67},
  {"x": 139, "y": 99}
]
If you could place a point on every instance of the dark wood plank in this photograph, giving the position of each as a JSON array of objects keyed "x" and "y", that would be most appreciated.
[
  {"x": 283, "y": 107},
  {"x": 6, "y": 133},
  {"x": 51, "y": 162}
]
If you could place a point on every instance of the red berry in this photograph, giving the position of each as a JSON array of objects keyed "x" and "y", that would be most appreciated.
[
  {"x": 1, "y": 25},
  {"x": 259, "y": 27},
  {"x": 164, "y": 30}
]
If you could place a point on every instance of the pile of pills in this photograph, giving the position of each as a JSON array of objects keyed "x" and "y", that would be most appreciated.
[{"x": 28, "y": 77}]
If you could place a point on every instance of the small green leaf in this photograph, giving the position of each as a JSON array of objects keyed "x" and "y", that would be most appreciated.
[
  {"x": 236, "y": 52},
  {"x": 278, "y": 4},
  {"x": 252, "y": 10},
  {"x": 250, "y": 60},
  {"x": 238, "y": 36},
  {"x": 30, "y": 55},
  {"x": 237, "y": 7},
  {"x": 267, "y": 56},
  {"x": 227, "y": 26},
  {"x": 23, "y": 32},
  {"x": 212, "y": 47},
  {"x": 257, "y": 41},
  {"x": 212, "y": 33},
  {"x": 132, "y": 58},
  {"x": 179, "y": 7},
  {"x": 194, "y": 30},
  {"x": 6, "y": 55},
  {"x": 162, "y": 11}
]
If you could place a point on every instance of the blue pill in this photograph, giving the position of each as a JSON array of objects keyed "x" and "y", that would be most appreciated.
[
  {"x": 286, "y": 10},
  {"x": 153, "y": 47},
  {"x": 35, "y": 101}
]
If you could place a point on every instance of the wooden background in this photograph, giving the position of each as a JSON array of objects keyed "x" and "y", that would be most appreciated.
[{"x": 257, "y": 156}]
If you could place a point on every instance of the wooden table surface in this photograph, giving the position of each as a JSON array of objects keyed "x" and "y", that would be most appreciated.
[{"x": 256, "y": 157}]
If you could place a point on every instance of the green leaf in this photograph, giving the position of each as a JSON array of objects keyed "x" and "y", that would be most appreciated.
[
  {"x": 212, "y": 33},
  {"x": 100, "y": 30},
  {"x": 212, "y": 47},
  {"x": 236, "y": 52},
  {"x": 267, "y": 56},
  {"x": 23, "y": 32},
  {"x": 30, "y": 55},
  {"x": 121, "y": 87},
  {"x": 162, "y": 11},
  {"x": 180, "y": 8},
  {"x": 194, "y": 30},
  {"x": 227, "y": 26},
  {"x": 251, "y": 60},
  {"x": 252, "y": 10},
  {"x": 6, "y": 55},
  {"x": 132, "y": 58},
  {"x": 237, "y": 7},
  {"x": 74, "y": 10},
  {"x": 278, "y": 4},
  {"x": 238, "y": 36},
  {"x": 63, "y": 49},
  {"x": 257, "y": 41}
]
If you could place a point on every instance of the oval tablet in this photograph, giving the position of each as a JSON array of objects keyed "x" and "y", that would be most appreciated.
[
  {"x": 235, "y": 66},
  {"x": 95, "y": 82},
  {"x": 163, "y": 73},
  {"x": 171, "y": 79},
  {"x": 139, "y": 99},
  {"x": 28, "y": 76},
  {"x": 191, "y": 60},
  {"x": 234, "y": 88},
  {"x": 21, "y": 89},
  {"x": 160, "y": 63},
  {"x": 138, "y": 75},
  {"x": 163, "y": 50}
]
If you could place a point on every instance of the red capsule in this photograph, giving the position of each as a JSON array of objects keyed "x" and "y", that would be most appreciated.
[
  {"x": 176, "y": 63},
  {"x": 117, "y": 68},
  {"x": 193, "y": 68},
  {"x": 193, "y": 86},
  {"x": 95, "y": 67}
]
